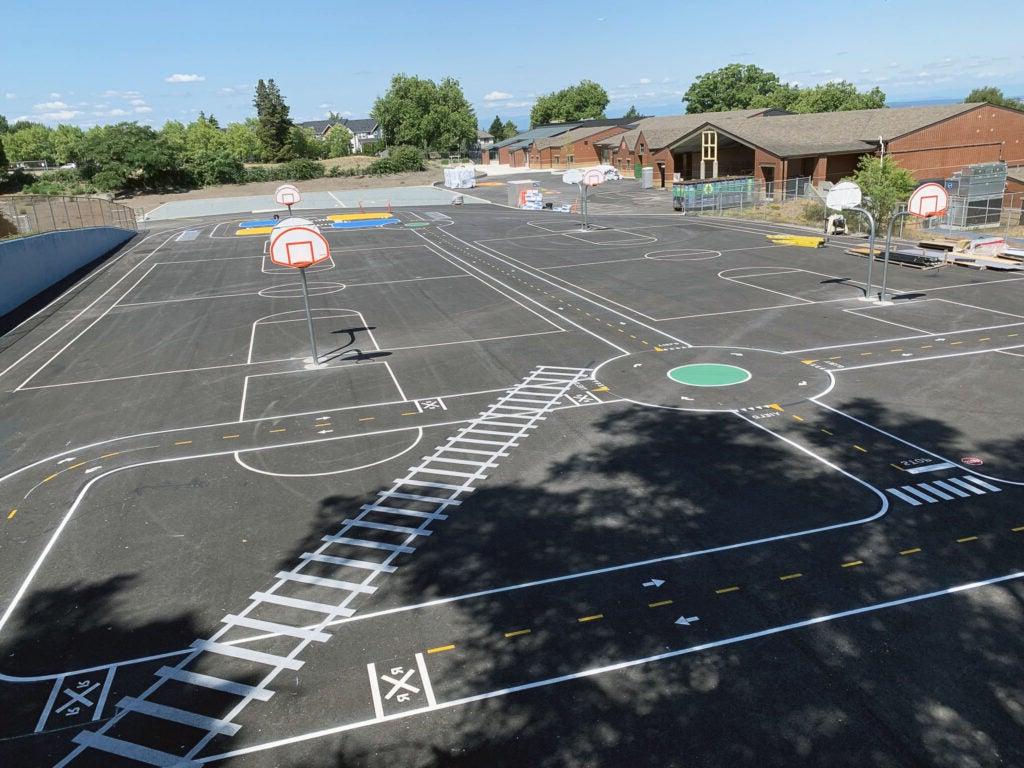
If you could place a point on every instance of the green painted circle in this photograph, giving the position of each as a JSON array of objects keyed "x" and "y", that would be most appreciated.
[{"x": 709, "y": 375}]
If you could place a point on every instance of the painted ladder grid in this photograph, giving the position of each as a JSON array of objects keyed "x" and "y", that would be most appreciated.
[{"x": 345, "y": 564}]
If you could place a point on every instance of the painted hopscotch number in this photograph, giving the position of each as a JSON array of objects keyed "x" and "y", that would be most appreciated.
[
  {"x": 400, "y": 687},
  {"x": 75, "y": 700},
  {"x": 582, "y": 398}
]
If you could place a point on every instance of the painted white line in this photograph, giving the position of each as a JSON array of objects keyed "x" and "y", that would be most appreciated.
[
  {"x": 618, "y": 666},
  {"x": 378, "y": 704},
  {"x": 930, "y": 468},
  {"x": 919, "y": 359},
  {"x": 428, "y": 689},
  {"x": 924, "y": 335},
  {"x": 340, "y": 204},
  {"x": 413, "y": 444}
]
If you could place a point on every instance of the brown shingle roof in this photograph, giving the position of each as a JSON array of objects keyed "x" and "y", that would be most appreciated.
[{"x": 576, "y": 134}]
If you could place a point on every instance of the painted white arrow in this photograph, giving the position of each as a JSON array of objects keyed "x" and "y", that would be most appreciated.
[
  {"x": 687, "y": 620},
  {"x": 654, "y": 583},
  {"x": 93, "y": 469},
  {"x": 324, "y": 431},
  {"x": 637, "y": 365},
  {"x": 65, "y": 461}
]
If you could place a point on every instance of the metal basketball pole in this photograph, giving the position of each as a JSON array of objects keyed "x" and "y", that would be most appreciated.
[
  {"x": 888, "y": 246},
  {"x": 309, "y": 315},
  {"x": 871, "y": 247}
]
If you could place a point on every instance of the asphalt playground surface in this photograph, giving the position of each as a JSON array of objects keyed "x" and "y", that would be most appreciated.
[{"x": 662, "y": 493}]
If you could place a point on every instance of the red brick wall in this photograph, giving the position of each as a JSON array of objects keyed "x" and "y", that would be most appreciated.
[{"x": 985, "y": 134}]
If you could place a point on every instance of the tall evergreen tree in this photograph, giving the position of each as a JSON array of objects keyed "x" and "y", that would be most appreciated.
[
  {"x": 497, "y": 129},
  {"x": 631, "y": 113},
  {"x": 273, "y": 120}
]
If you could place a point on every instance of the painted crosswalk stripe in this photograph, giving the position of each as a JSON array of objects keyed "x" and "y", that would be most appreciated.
[
  {"x": 903, "y": 497},
  {"x": 972, "y": 488},
  {"x": 920, "y": 494},
  {"x": 935, "y": 491},
  {"x": 951, "y": 488},
  {"x": 978, "y": 481}
]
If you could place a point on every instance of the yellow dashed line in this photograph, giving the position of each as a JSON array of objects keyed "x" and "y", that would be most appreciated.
[
  {"x": 368, "y": 418},
  {"x": 862, "y": 450},
  {"x": 659, "y": 604},
  {"x": 798, "y": 418},
  {"x": 632, "y": 336},
  {"x": 595, "y": 617},
  {"x": 110, "y": 455},
  {"x": 954, "y": 343},
  {"x": 183, "y": 442},
  {"x": 724, "y": 590},
  {"x": 985, "y": 338},
  {"x": 865, "y": 354},
  {"x": 12, "y": 513},
  {"x": 48, "y": 479},
  {"x": 965, "y": 539},
  {"x": 643, "y": 342},
  {"x": 927, "y": 346},
  {"x": 852, "y": 564},
  {"x": 441, "y": 649},
  {"x": 912, "y": 551},
  {"x": 1011, "y": 335},
  {"x": 600, "y": 389},
  {"x": 789, "y": 576},
  {"x": 229, "y": 437},
  {"x": 837, "y": 357},
  {"x": 897, "y": 466},
  {"x": 830, "y": 434},
  {"x": 79, "y": 464},
  {"x": 280, "y": 429},
  {"x": 1018, "y": 529},
  {"x": 898, "y": 349},
  {"x": 409, "y": 413},
  {"x": 517, "y": 633}
]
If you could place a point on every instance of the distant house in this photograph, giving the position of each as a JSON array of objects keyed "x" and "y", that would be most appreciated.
[
  {"x": 362, "y": 130},
  {"x": 484, "y": 140}
]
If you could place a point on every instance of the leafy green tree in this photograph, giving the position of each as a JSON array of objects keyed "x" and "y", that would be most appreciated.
[
  {"x": 33, "y": 142},
  {"x": 419, "y": 112},
  {"x": 450, "y": 122},
  {"x": 885, "y": 185},
  {"x": 207, "y": 156},
  {"x": 127, "y": 154},
  {"x": 242, "y": 141},
  {"x": 3, "y": 160},
  {"x": 274, "y": 121},
  {"x": 734, "y": 86},
  {"x": 4, "y": 126},
  {"x": 838, "y": 96},
  {"x": 66, "y": 141},
  {"x": 302, "y": 142},
  {"x": 509, "y": 130},
  {"x": 632, "y": 113},
  {"x": 22, "y": 124},
  {"x": 339, "y": 141},
  {"x": 497, "y": 129},
  {"x": 992, "y": 95},
  {"x": 583, "y": 101}
]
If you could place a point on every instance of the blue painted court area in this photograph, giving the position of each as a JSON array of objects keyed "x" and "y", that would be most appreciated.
[
  {"x": 363, "y": 224},
  {"x": 380, "y": 197},
  {"x": 259, "y": 223}
]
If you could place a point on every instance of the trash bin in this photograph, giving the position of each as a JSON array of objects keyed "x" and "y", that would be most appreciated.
[{"x": 647, "y": 178}]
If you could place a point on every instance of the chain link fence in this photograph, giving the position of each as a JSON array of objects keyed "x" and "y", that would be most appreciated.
[{"x": 22, "y": 215}]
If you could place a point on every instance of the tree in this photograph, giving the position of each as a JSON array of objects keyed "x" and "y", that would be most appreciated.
[
  {"x": 125, "y": 154},
  {"x": 339, "y": 141},
  {"x": 509, "y": 130},
  {"x": 885, "y": 184},
  {"x": 497, "y": 129},
  {"x": 302, "y": 142},
  {"x": 991, "y": 95},
  {"x": 4, "y": 126},
  {"x": 583, "y": 101},
  {"x": 274, "y": 122},
  {"x": 3, "y": 160},
  {"x": 631, "y": 113},
  {"x": 31, "y": 142},
  {"x": 66, "y": 142},
  {"x": 734, "y": 86},
  {"x": 839, "y": 96},
  {"x": 421, "y": 113},
  {"x": 242, "y": 142}
]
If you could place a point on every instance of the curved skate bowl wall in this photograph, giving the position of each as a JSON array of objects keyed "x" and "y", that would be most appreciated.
[{"x": 30, "y": 265}]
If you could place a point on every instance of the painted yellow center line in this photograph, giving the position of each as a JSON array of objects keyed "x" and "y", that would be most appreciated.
[
  {"x": 595, "y": 617},
  {"x": 368, "y": 418},
  {"x": 12, "y": 513},
  {"x": 798, "y": 418},
  {"x": 985, "y": 338},
  {"x": 789, "y": 576},
  {"x": 1018, "y": 529},
  {"x": 853, "y": 564},
  {"x": 912, "y": 551},
  {"x": 79, "y": 464},
  {"x": 441, "y": 649},
  {"x": 954, "y": 343},
  {"x": 659, "y": 604},
  {"x": 862, "y": 450},
  {"x": 837, "y": 357},
  {"x": 280, "y": 429},
  {"x": 965, "y": 539},
  {"x": 1011, "y": 335},
  {"x": 48, "y": 479},
  {"x": 110, "y": 455},
  {"x": 183, "y": 442},
  {"x": 517, "y": 633},
  {"x": 409, "y": 413},
  {"x": 229, "y": 437},
  {"x": 897, "y": 349},
  {"x": 897, "y": 466},
  {"x": 724, "y": 590},
  {"x": 865, "y": 354},
  {"x": 927, "y": 346},
  {"x": 830, "y": 434}
]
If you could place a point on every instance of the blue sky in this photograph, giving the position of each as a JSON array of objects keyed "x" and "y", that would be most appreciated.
[{"x": 150, "y": 60}]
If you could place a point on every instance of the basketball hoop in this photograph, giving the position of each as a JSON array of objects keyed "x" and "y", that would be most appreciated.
[
  {"x": 928, "y": 200},
  {"x": 592, "y": 177}
]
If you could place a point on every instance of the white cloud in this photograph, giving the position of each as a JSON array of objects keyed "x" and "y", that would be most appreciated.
[
  {"x": 138, "y": 102},
  {"x": 64, "y": 114},
  {"x": 54, "y": 95},
  {"x": 600, "y": 18},
  {"x": 111, "y": 94},
  {"x": 497, "y": 96},
  {"x": 179, "y": 78},
  {"x": 645, "y": 80},
  {"x": 118, "y": 112},
  {"x": 143, "y": 110},
  {"x": 233, "y": 90},
  {"x": 10, "y": 95},
  {"x": 49, "y": 105}
]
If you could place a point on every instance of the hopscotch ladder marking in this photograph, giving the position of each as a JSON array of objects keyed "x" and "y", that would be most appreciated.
[
  {"x": 950, "y": 489},
  {"x": 340, "y": 555}
]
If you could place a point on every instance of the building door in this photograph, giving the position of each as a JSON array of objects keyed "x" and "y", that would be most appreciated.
[
  {"x": 661, "y": 173},
  {"x": 768, "y": 172}
]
